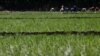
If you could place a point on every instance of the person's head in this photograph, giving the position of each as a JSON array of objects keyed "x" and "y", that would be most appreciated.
[{"x": 62, "y": 5}]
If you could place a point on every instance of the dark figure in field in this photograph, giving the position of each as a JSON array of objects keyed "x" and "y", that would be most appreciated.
[
  {"x": 62, "y": 8},
  {"x": 74, "y": 8},
  {"x": 94, "y": 9},
  {"x": 66, "y": 9},
  {"x": 52, "y": 9},
  {"x": 83, "y": 9}
]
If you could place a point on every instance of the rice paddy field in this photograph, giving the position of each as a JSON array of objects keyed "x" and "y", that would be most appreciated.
[{"x": 49, "y": 45}]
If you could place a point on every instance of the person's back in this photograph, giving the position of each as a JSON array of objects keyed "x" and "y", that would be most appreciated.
[
  {"x": 66, "y": 8},
  {"x": 83, "y": 9},
  {"x": 92, "y": 8},
  {"x": 74, "y": 8},
  {"x": 52, "y": 9}
]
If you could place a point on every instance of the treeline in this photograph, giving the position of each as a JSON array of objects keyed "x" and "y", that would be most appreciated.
[{"x": 44, "y": 4}]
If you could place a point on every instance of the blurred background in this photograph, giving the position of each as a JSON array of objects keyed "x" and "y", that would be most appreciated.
[{"x": 45, "y": 5}]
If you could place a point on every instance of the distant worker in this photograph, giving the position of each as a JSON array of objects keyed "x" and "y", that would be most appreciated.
[
  {"x": 66, "y": 9},
  {"x": 96, "y": 9},
  {"x": 84, "y": 9},
  {"x": 92, "y": 8},
  {"x": 52, "y": 9},
  {"x": 62, "y": 8},
  {"x": 74, "y": 8}
]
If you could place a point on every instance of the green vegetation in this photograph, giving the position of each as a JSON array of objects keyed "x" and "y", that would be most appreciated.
[
  {"x": 49, "y": 45},
  {"x": 45, "y": 15},
  {"x": 55, "y": 45},
  {"x": 47, "y": 25},
  {"x": 47, "y": 21}
]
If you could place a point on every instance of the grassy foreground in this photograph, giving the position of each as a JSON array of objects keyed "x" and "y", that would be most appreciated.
[
  {"x": 49, "y": 45},
  {"x": 54, "y": 45}
]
